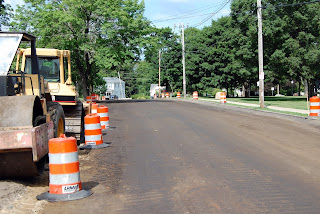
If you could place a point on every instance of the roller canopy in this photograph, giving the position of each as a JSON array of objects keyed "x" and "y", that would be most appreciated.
[{"x": 9, "y": 44}]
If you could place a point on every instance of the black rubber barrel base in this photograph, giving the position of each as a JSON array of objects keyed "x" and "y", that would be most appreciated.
[
  {"x": 103, "y": 145},
  {"x": 64, "y": 197}
]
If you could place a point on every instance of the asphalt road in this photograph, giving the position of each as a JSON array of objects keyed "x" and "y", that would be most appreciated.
[{"x": 180, "y": 157}]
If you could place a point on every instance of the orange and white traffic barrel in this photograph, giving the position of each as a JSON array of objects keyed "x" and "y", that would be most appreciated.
[
  {"x": 94, "y": 108},
  {"x": 223, "y": 97},
  {"x": 162, "y": 95},
  {"x": 195, "y": 95},
  {"x": 103, "y": 98},
  {"x": 92, "y": 133},
  {"x": 89, "y": 99},
  {"x": 314, "y": 106},
  {"x": 64, "y": 173},
  {"x": 93, "y": 97},
  {"x": 103, "y": 112},
  {"x": 178, "y": 95},
  {"x": 167, "y": 94},
  {"x": 155, "y": 96}
]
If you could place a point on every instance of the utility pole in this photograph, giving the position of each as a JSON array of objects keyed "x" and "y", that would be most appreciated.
[
  {"x": 159, "y": 71},
  {"x": 122, "y": 94},
  {"x": 260, "y": 55},
  {"x": 183, "y": 62}
]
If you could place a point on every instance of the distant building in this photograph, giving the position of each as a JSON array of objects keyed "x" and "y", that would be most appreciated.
[
  {"x": 115, "y": 86},
  {"x": 154, "y": 88}
]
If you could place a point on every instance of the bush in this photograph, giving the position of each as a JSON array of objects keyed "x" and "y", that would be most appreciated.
[
  {"x": 139, "y": 97},
  {"x": 174, "y": 94},
  {"x": 215, "y": 90}
]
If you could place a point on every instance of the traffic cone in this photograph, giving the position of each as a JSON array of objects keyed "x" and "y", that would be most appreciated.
[
  {"x": 178, "y": 95},
  {"x": 103, "y": 112},
  {"x": 223, "y": 97},
  {"x": 94, "y": 108},
  {"x": 64, "y": 174},
  {"x": 195, "y": 95},
  {"x": 314, "y": 106},
  {"x": 93, "y": 133}
]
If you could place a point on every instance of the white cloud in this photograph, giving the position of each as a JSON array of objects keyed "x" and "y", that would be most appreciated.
[{"x": 13, "y": 3}]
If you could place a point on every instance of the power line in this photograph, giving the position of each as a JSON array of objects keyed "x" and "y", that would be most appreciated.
[
  {"x": 242, "y": 29},
  {"x": 182, "y": 17},
  {"x": 204, "y": 51},
  {"x": 187, "y": 14},
  {"x": 212, "y": 14}
]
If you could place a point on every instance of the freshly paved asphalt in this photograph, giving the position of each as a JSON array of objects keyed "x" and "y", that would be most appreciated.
[{"x": 178, "y": 157}]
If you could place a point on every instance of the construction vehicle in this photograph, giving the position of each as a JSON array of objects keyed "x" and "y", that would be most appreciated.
[
  {"x": 60, "y": 88},
  {"x": 36, "y": 104},
  {"x": 27, "y": 119}
]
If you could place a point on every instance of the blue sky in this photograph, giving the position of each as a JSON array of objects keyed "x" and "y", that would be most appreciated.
[
  {"x": 165, "y": 13},
  {"x": 193, "y": 12}
]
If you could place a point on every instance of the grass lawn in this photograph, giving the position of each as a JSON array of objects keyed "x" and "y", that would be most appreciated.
[
  {"x": 286, "y": 102},
  {"x": 266, "y": 109}
]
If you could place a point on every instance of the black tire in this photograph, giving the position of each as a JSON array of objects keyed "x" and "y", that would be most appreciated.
[{"x": 57, "y": 116}]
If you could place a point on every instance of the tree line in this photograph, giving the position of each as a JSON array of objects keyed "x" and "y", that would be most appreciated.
[
  {"x": 225, "y": 54},
  {"x": 107, "y": 37}
]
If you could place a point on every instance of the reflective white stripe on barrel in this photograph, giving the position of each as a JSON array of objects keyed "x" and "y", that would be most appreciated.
[
  {"x": 63, "y": 158},
  {"x": 103, "y": 114},
  {"x": 92, "y": 126},
  {"x": 105, "y": 123},
  {"x": 314, "y": 104},
  {"x": 92, "y": 137},
  {"x": 64, "y": 178}
]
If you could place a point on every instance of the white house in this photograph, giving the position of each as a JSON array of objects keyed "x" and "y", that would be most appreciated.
[
  {"x": 154, "y": 88},
  {"x": 115, "y": 86}
]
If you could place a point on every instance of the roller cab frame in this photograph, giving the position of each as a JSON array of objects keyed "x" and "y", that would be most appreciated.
[
  {"x": 25, "y": 126},
  {"x": 55, "y": 68}
]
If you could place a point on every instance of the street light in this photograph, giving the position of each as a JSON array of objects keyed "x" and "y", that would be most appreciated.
[{"x": 292, "y": 87}]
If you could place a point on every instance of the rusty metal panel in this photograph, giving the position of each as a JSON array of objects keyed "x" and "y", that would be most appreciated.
[
  {"x": 42, "y": 134},
  {"x": 15, "y": 139},
  {"x": 35, "y": 138}
]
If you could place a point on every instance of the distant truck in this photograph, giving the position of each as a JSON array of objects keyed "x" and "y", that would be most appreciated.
[{"x": 113, "y": 97}]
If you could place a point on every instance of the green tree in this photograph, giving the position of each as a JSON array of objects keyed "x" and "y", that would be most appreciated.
[
  {"x": 145, "y": 76},
  {"x": 293, "y": 37},
  {"x": 102, "y": 35},
  {"x": 5, "y": 14},
  {"x": 195, "y": 52},
  {"x": 245, "y": 42},
  {"x": 291, "y": 40},
  {"x": 171, "y": 67}
]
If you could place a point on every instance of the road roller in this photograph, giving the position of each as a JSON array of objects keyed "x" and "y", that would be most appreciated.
[{"x": 27, "y": 119}]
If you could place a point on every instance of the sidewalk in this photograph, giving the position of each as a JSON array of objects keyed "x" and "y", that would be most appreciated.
[{"x": 300, "y": 111}]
